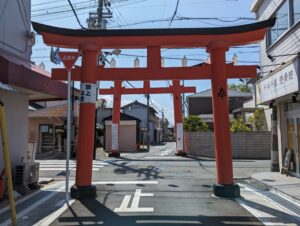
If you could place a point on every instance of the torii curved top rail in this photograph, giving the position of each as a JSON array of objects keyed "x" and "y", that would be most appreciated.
[{"x": 166, "y": 38}]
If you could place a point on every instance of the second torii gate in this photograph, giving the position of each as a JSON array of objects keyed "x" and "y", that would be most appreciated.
[
  {"x": 217, "y": 41},
  {"x": 117, "y": 91}
]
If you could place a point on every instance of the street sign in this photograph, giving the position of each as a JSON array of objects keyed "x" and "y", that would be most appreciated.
[{"x": 68, "y": 59}]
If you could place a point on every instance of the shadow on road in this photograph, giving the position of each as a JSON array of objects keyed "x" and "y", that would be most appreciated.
[{"x": 93, "y": 212}]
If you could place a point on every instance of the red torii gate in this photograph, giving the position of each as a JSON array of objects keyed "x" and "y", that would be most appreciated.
[
  {"x": 217, "y": 41},
  {"x": 176, "y": 89}
]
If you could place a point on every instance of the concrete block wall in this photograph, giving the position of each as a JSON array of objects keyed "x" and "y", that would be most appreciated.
[{"x": 245, "y": 145}]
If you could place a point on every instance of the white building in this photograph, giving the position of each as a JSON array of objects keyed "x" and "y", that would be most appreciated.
[
  {"x": 20, "y": 80},
  {"x": 278, "y": 86}
]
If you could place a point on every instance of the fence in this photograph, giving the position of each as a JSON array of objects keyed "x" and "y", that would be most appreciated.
[{"x": 245, "y": 145}]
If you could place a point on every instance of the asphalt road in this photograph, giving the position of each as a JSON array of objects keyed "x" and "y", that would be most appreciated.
[{"x": 157, "y": 188}]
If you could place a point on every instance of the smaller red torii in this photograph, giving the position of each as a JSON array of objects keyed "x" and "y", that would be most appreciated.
[{"x": 176, "y": 89}]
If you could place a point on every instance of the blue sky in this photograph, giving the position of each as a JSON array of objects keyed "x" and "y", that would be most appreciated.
[{"x": 126, "y": 13}]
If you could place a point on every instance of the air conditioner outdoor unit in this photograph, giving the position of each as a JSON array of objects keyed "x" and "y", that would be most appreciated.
[{"x": 26, "y": 177}]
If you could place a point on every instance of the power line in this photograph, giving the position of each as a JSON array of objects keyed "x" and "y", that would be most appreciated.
[
  {"x": 175, "y": 13},
  {"x": 75, "y": 14}
]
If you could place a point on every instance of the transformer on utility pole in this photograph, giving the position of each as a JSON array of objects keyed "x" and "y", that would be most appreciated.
[{"x": 98, "y": 20}]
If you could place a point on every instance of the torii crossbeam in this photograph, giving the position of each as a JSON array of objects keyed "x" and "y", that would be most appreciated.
[
  {"x": 217, "y": 41},
  {"x": 117, "y": 91}
]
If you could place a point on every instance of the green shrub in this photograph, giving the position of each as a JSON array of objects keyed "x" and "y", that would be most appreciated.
[{"x": 194, "y": 123}]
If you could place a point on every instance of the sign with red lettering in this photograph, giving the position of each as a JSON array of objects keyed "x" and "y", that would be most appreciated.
[{"x": 69, "y": 59}]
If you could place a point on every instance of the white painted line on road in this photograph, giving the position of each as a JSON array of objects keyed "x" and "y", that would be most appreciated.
[
  {"x": 60, "y": 203},
  {"x": 137, "y": 196},
  {"x": 176, "y": 222},
  {"x": 126, "y": 182},
  {"x": 59, "y": 187},
  {"x": 124, "y": 205},
  {"x": 135, "y": 203},
  {"x": 29, "y": 196},
  {"x": 63, "y": 169},
  {"x": 163, "y": 157},
  {"x": 53, "y": 216}
]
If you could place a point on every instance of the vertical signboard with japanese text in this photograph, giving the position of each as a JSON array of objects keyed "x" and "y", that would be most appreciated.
[{"x": 88, "y": 93}]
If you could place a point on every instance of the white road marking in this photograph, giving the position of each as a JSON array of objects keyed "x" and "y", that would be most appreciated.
[
  {"x": 53, "y": 216},
  {"x": 124, "y": 205},
  {"x": 160, "y": 222},
  {"x": 60, "y": 165},
  {"x": 63, "y": 169},
  {"x": 166, "y": 152},
  {"x": 60, "y": 203},
  {"x": 125, "y": 182},
  {"x": 29, "y": 196},
  {"x": 135, "y": 203},
  {"x": 58, "y": 187},
  {"x": 163, "y": 157}
]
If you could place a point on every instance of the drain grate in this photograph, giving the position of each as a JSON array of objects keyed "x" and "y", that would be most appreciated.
[
  {"x": 283, "y": 202},
  {"x": 265, "y": 191}
]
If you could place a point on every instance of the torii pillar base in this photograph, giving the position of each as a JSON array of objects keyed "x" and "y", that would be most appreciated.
[
  {"x": 181, "y": 153},
  {"x": 226, "y": 191},
  {"x": 83, "y": 192},
  {"x": 114, "y": 154}
]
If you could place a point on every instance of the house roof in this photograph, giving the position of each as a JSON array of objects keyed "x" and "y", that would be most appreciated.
[
  {"x": 27, "y": 78},
  {"x": 123, "y": 117},
  {"x": 141, "y": 104},
  {"x": 231, "y": 93},
  {"x": 58, "y": 111}
]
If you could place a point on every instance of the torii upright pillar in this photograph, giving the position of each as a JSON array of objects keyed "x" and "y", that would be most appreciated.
[
  {"x": 83, "y": 187},
  {"x": 223, "y": 153},
  {"x": 115, "y": 125},
  {"x": 178, "y": 125}
]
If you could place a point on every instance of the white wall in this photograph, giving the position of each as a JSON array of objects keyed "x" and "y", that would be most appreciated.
[
  {"x": 14, "y": 22},
  {"x": 286, "y": 44},
  {"x": 16, "y": 109}
]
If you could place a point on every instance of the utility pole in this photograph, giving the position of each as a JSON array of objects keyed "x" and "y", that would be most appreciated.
[{"x": 98, "y": 20}]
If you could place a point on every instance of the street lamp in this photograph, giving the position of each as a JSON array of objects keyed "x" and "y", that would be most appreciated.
[
  {"x": 235, "y": 59},
  {"x": 162, "y": 62},
  {"x": 184, "y": 62},
  {"x": 113, "y": 63},
  {"x": 136, "y": 62}
]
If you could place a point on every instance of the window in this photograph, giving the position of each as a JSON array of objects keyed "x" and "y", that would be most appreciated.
[
  {"x": 282, "y": 23},
  {"x": 296, "y": 9}
]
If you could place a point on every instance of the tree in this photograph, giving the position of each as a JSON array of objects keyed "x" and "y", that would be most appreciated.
[
  {"x": 194, "y": 123},
  {"x": 257, "y": 120},
  {"x": 240, "y": 87},
  {"x": 238, "y": 125}
]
